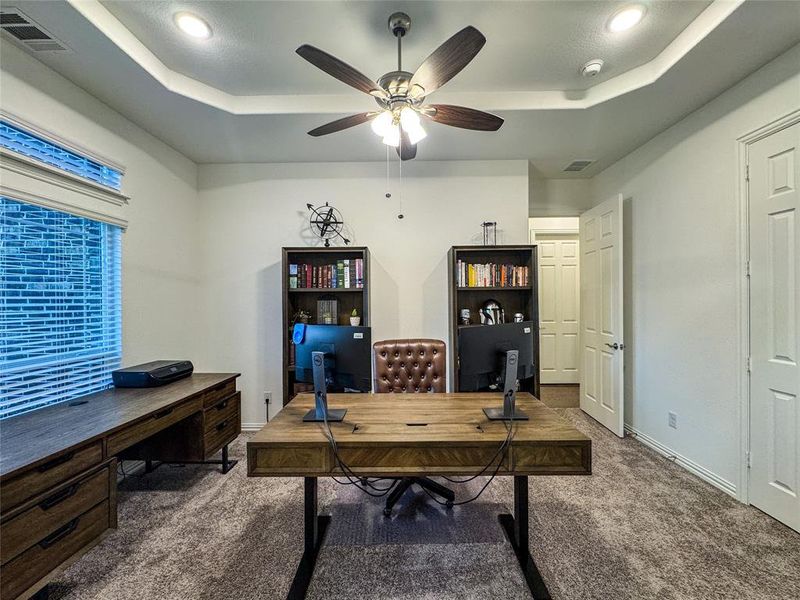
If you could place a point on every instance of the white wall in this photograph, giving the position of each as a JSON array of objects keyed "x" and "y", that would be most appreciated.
[
  {"x": 557, "y": 197},
  {"x": 160, "y": 266},
  {"x": 681, "y": 273},
  {"x": 251, "y": 211}
]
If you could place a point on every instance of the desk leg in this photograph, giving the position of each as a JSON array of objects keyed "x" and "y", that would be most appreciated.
[
  {"x": 516, "y": 529},
  {"x": 315, "y": 528}
]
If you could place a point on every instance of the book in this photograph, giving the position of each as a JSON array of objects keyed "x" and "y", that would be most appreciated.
[{"x": 491, "y": 275}]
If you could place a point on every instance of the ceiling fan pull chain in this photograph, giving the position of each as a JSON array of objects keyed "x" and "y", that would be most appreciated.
[{"x": 400, "y": 190}]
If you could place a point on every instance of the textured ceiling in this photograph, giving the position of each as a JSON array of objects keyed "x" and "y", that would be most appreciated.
[
  {"x": 531, "y": 45},
  {"x": 752, "y": 35}
]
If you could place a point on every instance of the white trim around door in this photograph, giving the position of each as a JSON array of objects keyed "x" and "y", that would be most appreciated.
[{"x": 743, "y": 305}]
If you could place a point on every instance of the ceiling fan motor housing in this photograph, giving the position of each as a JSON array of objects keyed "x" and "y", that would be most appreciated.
[
  {"x": 396, "y": 83},
  {"x": 399, "y": 24}
]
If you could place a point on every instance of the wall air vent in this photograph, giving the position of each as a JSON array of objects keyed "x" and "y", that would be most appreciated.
[
  {"x": 25, "y": 31},
  {"x": 577, "y": 165}
]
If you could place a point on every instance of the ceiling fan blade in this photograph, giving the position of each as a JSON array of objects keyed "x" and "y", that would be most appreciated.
[
  {"x": 460, "y": 116},
  {"x": 406, "y": 150},
  {"x": 340, "y": 124},
  {"x": 340, "y": 70},
  {"x": 446, "y": 61}
]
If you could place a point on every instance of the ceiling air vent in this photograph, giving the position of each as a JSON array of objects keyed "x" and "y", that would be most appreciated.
[
  {"x": 577, "y": 165},
  {"x": 16, "y": 25}
]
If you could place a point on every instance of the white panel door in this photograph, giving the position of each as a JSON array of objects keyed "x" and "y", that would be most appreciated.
[
  {"x": 559, "y": 301},
  {"x": 601, "y": 341},
  {"x": 774, "y": 316}
]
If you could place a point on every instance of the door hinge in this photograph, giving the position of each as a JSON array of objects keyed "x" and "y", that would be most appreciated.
[
  {"x": 748, "y": 459},
  {"x": 749, "y": 364},
  {"x": 747, "y": 268},
  {"x": 747, "y": 172}
]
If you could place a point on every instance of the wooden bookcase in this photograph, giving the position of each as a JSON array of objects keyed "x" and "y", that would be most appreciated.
[
  {"x": 523, "y": 299},
  {"x": 297, "y": 299}
]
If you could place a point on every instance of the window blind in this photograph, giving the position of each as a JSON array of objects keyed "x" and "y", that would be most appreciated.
[
  {"x": 33, "y": 146},
  {"x": 60, "y": 306}
]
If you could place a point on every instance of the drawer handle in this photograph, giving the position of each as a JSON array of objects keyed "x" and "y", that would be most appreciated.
[
  {"x": 59, "y": 533},
  {"x": 57, "y": 461},
  {"x": 222, "y": 404},
  {"x": 58, "y": 497},
  {"x": 163, "y": 413},
  {"x": 222, "y": 425}
]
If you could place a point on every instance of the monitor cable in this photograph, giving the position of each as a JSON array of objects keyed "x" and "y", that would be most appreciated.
[
  {"x": 367, "y": 485},
  {"x": 503, "y": 448}
]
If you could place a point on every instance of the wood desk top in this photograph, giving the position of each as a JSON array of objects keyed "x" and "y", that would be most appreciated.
[
  {"x": 32, "y": 437},
  {"x": 394, "y": 435}
]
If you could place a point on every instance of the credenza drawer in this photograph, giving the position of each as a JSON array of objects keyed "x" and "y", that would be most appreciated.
[
  {"x": 55, "y": 509},
  {"x": 51, "y": 551},
  {"x": 151, "y": 425},
  {"x": 223, "y": 433},
  {"x": 224, "y": 409},
  {"x": 223, "y": 390},
  {"x": 36, "y": 480}
]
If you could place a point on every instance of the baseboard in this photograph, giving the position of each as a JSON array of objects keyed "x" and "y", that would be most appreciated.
[
  {"x": 252, "y": 426},
  {"x": 688, "y": 464}
]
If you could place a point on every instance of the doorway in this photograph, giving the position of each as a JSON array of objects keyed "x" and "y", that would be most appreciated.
[
  {"x": 772, "y": 202},
  {"x": 559, "y": 308}
]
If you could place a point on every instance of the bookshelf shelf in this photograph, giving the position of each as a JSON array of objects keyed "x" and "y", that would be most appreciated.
[
  {"x": 325, "y": 290},
  {"x": 497, "y": 288},
  {"x": 513, "y": 298},
  {"x": 296, "y": 299}
]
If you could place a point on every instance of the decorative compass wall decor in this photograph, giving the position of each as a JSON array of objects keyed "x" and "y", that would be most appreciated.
[{"x": 326, "y": 221}]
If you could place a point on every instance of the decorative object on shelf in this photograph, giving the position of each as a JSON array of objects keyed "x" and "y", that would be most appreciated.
[
  {"x": 492, "y": 313},
  {"x": 466, "y": 316},
  {"x": 327, "y": 223},
  {"x": 489, "y": 233},
  {"x": 400, "y": 94},
  {"x": 301, "y": 316},
  {"x": 327, "y": 311},
  {"x": 355, "y": 319},
  {"x": 519, "y": 317}
]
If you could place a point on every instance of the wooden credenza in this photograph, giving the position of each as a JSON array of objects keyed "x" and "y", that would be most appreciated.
[{"x": 58, "y": 476}]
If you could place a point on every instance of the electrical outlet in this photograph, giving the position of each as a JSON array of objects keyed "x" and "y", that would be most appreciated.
[
  {"x": 673, "y": 420},
  {"x": 268, "y": 397}
]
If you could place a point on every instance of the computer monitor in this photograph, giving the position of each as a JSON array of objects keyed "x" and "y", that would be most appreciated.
[
  {"x": 482, "y": 354},
  {"x": 335, "y": 358}
]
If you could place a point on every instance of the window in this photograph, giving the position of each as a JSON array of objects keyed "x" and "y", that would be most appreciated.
[
  {"x": 60, "y": 317},
  {"x": 33, "y": 146}
]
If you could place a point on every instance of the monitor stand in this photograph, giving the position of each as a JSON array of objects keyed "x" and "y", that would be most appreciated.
[
  {"x": 321, "y": 412},
  {"x": 508, "y": 412}
]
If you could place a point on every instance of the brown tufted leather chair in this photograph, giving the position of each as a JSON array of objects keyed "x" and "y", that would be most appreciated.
[
  {"x": 414, "y": 366},
  {"x": 410, "y": 366}
]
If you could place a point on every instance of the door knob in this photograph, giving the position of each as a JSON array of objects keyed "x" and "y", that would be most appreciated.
[{"x": 615, "y": 346}]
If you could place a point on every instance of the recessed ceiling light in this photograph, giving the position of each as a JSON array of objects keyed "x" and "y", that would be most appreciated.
[
  {"x": 626, "y": 18},
  {"x": 192, "y": 25}
]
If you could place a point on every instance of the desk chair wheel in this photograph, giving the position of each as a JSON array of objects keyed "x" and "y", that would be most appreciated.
[
  {"x": 387, "y": 512},
  {"x": 448, "y": 504}
]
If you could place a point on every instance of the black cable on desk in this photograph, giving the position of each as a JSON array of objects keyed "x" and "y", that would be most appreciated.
[
  {"x": 505, "y": 445},
  {"x": 354, "y": 479}
]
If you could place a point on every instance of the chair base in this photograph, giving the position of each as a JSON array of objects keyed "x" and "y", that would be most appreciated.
[{"x": 423, "y": 482}]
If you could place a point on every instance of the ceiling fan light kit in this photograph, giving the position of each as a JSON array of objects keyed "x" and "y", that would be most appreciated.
[{"x": 400, "y": 95}]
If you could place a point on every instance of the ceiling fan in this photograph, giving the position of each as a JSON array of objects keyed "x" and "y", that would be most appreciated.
[{"x": 401, "y": 95}]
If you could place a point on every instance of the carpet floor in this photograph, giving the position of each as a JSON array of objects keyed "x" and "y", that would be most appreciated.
[
  {"x": 560, "y": 395},
  {"x": 640, "y": 527}
]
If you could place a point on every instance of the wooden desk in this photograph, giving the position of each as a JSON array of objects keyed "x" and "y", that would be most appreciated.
[
  {"x": 416, "y": 435},
  {"x": 58, "y": 466}
]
